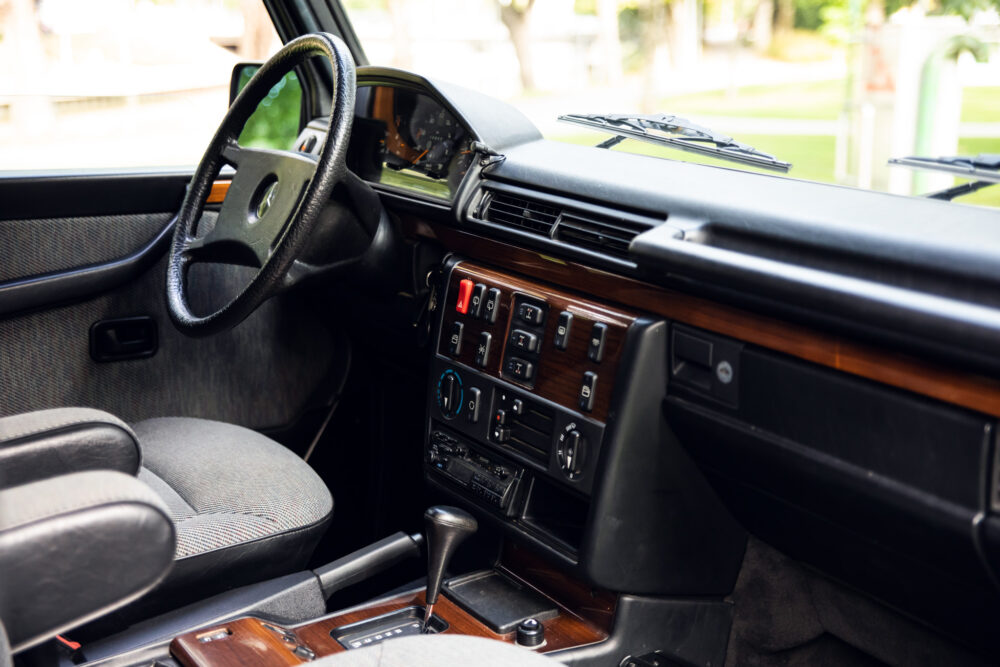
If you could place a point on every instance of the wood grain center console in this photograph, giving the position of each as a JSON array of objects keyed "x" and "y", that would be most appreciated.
[
  {"x": 584, "y": 617},
  {"x": 519, "y": 396}
]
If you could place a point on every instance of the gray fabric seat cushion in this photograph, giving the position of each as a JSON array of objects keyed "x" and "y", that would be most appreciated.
[
  {"x": 245, "y": 507},
  {"x": 438, "y": 651}
]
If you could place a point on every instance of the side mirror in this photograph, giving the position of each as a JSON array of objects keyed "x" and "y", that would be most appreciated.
[{"x": 278, "y": 118}]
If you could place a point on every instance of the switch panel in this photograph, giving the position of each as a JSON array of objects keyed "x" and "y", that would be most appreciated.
[{"x": 535, "y": 336}]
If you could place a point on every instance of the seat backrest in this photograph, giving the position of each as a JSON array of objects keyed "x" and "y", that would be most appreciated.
[{"x": 75, "y": 547}]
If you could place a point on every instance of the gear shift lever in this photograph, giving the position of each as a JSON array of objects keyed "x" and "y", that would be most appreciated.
[{"x": 447, "y": 527}]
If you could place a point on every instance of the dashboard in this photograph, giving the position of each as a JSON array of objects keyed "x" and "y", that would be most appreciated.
[{"x": 624, "y": 359}]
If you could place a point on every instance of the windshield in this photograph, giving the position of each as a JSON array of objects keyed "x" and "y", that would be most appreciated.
[{"x": 835, "y": 87}]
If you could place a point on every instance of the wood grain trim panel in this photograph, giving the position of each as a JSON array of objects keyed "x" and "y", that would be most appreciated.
[
  {"x": 218, "y": 192},
  {"x": 563, "y": 631},
  {"x": 559, "y": 373},
  {"x": 249, "y": 643},
  {"x": 887, "y": 366},
  {"x": 252, "y": 642},
  {"x": 595, "y": 605}
]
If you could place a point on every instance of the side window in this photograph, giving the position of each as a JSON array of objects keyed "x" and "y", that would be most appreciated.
[
  {"x": 275, "y": 123},
  {"x": 112, "y": 83}
]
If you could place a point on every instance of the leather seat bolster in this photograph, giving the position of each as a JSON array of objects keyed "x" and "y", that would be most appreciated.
[
  {"x": 74, "y": 547},
  {"x": 39, "y": 445}
]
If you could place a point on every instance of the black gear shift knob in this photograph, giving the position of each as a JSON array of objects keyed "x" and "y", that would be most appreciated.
[{"x": 447, "y": 527}]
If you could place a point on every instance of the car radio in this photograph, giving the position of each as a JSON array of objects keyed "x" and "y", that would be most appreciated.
[{"x": 485, "y": 476}]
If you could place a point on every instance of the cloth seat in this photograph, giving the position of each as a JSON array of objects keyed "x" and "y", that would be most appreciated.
[{"x": 245, "y": 507}]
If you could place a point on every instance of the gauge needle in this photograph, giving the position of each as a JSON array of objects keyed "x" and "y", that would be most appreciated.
[{"x": 419, "y": 157}]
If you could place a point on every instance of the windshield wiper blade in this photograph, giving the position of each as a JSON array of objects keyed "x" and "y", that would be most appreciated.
[
  {"x": 666, "y": 129},
  {"x": 982, "y": 167}
]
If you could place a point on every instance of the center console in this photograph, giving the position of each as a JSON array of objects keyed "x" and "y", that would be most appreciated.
[
  {"x": 545, "y": 418},
  {"x": 519, "y": 397}
]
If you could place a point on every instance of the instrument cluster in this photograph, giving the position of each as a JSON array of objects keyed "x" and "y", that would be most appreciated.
[{"x": 405, "y": 138}]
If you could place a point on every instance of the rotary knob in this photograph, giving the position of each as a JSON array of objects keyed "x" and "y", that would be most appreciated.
[
  {"x": 450, "y": 394},
  {"x": 571, "y": 453},
  {"x": 530, "y": 633}
]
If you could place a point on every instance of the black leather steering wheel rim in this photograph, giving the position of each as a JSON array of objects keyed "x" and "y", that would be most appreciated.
[{"x": 250, "y": 216}]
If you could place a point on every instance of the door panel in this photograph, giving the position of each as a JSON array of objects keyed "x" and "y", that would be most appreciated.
[
  {"x": 262, "y": 374},
  {"x": 36, "y": 246}
]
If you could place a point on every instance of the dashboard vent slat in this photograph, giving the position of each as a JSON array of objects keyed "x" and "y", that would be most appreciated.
[
  {"x": 600, "y": 234},
  {"x": 513, "y": 211},
  {"x": 600, "y": 230}
]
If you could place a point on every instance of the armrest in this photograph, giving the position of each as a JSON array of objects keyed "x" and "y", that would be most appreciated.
[
  {"x": 75, "y": 547},
  {"x": 39, "y": 445}
]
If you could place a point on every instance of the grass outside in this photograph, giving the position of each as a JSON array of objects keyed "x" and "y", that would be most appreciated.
[
  {"x": 812, "y": 156},
  {"x": 816, "y": 100}
]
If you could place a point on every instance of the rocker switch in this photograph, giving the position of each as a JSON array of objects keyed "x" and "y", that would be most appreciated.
[
  {"x": 563, "y": 327},
  {"x": 483, "y": 349},
  {"x": 595, "y": 349},
  {"x": 587, "y": 390},
  {"x": 455, "y": 339}
]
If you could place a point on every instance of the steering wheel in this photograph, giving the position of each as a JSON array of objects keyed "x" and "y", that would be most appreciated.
[{"x": 275, "y": 197}]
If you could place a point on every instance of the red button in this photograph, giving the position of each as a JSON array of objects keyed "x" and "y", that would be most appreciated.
[{"x": 464, "y": 294}]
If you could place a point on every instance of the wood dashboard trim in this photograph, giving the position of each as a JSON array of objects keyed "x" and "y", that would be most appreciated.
[
  {"x": 929, "y": 379},
  {"x": 559, "y": 373},
  {"x": 218, "y": 192}
]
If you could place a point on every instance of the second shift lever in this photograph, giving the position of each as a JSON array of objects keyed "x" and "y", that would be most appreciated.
[{"x": 447, "y": 527}]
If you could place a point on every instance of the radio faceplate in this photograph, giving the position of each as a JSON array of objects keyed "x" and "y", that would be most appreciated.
[{"x": 487, "y": 477}]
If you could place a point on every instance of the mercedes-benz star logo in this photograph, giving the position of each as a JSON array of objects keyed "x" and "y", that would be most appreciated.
[{"x": 267, "y": 200}]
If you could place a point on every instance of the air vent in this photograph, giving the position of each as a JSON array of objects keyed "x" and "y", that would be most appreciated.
[
  {"x": 514, "y": 211},
  {"x": 604, "y": 235}
]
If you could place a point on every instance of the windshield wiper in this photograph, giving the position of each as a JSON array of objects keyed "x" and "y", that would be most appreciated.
[
  {"x": 984, "y": 168},
  {"x": 665, "y": 129}
]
